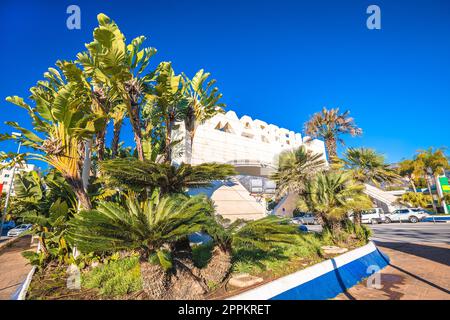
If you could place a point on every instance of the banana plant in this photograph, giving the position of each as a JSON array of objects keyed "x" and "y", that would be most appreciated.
[
  {"x": 63, "y": 121},
  {"x": 203, "y": 104},
  {"x": 118, "y": 69},
  {"x": 166, "y": 101}
]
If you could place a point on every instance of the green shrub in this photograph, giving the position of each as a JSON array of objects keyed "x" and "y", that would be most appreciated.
[
  {"x": 201, "y": 254},
  {"x": 116, "y": 278},
  {"x": 276, "y": 260}
]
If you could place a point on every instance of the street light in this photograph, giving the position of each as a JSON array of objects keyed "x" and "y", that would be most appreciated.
[{"x": 16, "y": 134}]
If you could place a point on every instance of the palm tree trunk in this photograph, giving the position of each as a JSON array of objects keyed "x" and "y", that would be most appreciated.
[
  {"x": 413, "y": 185},
  {"x": 81, "y": 194},
  {"x": 431, "y": 194},
  {"x": 136, "y": 125},
  {"x": 116, "y": 137},
  {"x": 100, "y": 144},
  {"x": 168, "y": 150},
  {"x": 330, "y": 144}
]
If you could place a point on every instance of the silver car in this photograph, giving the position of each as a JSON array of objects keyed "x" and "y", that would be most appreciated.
[
  {"x": 412, "y": 215},
  {"x": 307, "y": 218},
  {"x": 19, "y": 230}
]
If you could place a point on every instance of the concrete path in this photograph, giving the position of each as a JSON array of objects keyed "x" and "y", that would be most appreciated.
[
  {"x": 13, "y": 267},
  {"x": 418, "y": 271}
]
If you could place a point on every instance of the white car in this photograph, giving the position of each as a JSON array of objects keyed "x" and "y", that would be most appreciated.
[
  {"x": 18, "y": 230},
  {"x": 412, "y": 215},
  {"x": 373, "y": 216},
  {"x": 307, "y": 218}
]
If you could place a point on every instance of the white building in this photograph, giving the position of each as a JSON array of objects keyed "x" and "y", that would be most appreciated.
[
  {"x": 244, "y": 142},
  {"x": 253, "y": 147},
  {"x": 6, "y": 175}
]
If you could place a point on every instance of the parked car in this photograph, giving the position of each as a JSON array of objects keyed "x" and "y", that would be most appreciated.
[
  {"x": 306, "y": 218},
  {"x": 412, "y": 215},
  {"x": 373, "y": 216},
  {"x": 19, "y": 230}
]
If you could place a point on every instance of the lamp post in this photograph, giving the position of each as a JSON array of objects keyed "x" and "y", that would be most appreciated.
[{"x": 8, "y": 195}]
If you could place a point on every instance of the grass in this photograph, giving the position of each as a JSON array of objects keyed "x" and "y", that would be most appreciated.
[
  {"x": 116, "y": 278},
  {"x": 281, "y": 259}
]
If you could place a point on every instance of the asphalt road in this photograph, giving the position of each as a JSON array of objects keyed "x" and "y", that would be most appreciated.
[{"x": 408, "y": 232}]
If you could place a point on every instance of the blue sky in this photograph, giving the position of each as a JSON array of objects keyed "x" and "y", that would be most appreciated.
[{"x": 278, "y": 61}]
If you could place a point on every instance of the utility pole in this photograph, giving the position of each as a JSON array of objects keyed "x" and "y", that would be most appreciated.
[{"x": 5, "y": 210}]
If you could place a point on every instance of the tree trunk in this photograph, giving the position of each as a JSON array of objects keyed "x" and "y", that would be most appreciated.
[
  {"x": 169, "y": 125},
  {"x": 431, "y": 194},
  {"x": 330, "y": 144},
  {"x": 218, "y": 267},
  {"x": 100, "y": 144},
  {"x": 81, "y": 194},
  {"x": 413, "y": 185},
  {"x": 357, "y": 217},
  {"x": 116, "y": 137},
  {"x": 136, "y": 125}
]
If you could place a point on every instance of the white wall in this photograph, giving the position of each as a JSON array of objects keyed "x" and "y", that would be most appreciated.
[{"x": 249, "y": 139}]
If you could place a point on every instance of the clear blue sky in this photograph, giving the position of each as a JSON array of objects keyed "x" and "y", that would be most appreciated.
[{"x": 279, "y": 61}]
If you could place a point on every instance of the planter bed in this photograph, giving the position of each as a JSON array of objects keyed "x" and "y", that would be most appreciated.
[{"x": 324, "y": 280}]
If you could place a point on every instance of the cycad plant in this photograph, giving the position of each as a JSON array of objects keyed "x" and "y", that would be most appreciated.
[
  {"x": 330, "y": 125},
  {"x": 150, "y": 226},
  {"x": 294, "y": 168},
  {"x": 140, "y": 175},
  {"x": 331, "y": 196}
]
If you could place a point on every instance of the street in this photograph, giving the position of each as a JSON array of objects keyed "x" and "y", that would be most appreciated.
[{"x": 419, "y": 266}]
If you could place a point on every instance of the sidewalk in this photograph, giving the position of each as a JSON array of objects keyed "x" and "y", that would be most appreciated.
[
  {"x": 418, "y": 271},
  {"x": 13, "y": 267}
]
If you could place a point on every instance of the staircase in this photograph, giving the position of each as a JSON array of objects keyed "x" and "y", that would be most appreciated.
[{"x": 382, "y": 199}]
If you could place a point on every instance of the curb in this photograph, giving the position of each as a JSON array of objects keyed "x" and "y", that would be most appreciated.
[
  {"x": 324, "y": 280},
  {"x": 5, "y": 244},
  {"x": 21, "y": 292}
]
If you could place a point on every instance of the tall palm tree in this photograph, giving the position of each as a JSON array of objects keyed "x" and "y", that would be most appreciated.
[
  {"x": 294, "y": 168},
  {"x": 368, "y": 166},
  {"x": 432, "y": 163},
  {"x": 203, "y": 104},
  {"x": 330, "y": 195},
  {"x": 330, "y": 125},
  {"x": 365, "y": 165},
  {"x": 406, "y": 169}
]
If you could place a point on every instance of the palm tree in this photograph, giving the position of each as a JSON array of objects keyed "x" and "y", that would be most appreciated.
[
  {"x": 203, "y": 104},
  {"x": 330, "y": 125},
  {"x": 432, "y": 163},
  {"x": 63, "y": 121},
  {"x": 141, "y": 175},
  {"x": 331, "y": 196},
  {"x": 406, "y": 169},
  {"x": 368, "y": 166},
  {"x": 294, "y": 168},
  {"x": 415, "y": 199}
]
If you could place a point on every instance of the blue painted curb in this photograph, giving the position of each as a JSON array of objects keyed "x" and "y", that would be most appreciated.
[{"x": 324, "y": 280}]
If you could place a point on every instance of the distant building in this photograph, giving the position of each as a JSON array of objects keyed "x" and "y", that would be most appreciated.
[{"x": 6, "y": 175}]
